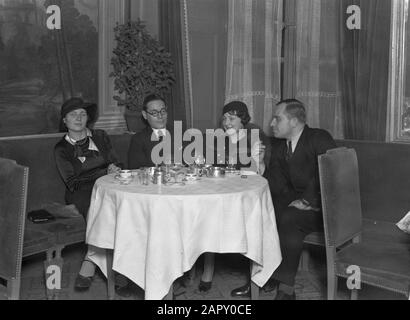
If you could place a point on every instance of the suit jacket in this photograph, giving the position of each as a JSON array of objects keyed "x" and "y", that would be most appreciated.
[
  {"x": 298, "y": 178},
  {"x": 139, "y": 152}
]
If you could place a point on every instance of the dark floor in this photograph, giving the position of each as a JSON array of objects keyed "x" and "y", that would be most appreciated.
[{"x": 229, "y": 273}]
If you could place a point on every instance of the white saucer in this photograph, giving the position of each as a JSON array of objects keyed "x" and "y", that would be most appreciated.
[
  {"x": 191, "y": 181},
  {"x": 121, "y": 179},
  {"x": 248, "y": 173}
]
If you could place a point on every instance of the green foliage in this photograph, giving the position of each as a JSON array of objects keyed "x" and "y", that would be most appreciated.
[{"x": 141, "y": 65}]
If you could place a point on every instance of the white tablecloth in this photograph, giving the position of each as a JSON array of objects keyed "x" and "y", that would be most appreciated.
[{"x": 158, "y": 232}]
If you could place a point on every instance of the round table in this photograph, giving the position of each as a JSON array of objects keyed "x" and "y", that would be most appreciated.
[{"x": 157, "y": 232}]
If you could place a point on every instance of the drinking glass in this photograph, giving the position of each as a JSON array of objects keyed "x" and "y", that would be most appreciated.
[{"x": 145, "y": 177}]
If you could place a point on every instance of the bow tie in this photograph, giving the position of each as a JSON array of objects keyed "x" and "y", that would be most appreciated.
[{"x": 80, "y": 146}]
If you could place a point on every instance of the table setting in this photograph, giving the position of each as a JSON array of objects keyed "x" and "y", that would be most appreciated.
[
  {"x": 159, "y": 220},
  {"x": 177, "y": 174}
]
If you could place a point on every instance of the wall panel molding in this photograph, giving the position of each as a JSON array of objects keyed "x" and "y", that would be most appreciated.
[{"x": 110, "y": 115}]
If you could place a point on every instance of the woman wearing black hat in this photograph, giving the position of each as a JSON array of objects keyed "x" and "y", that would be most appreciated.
[
  {"x": 237, "y": 126},
  {"x": 82, "y": 156}
]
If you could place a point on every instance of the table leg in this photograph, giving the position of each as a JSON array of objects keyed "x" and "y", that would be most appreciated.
[
  {"x": 170, "y": 295},
  {"x": 254, "y": 291},
  {"x": 191, "y": 275},
  {"x": 254, "y": 286},
  {"x": 110, "y": 274},
  {"x": 53, "y": 268}
]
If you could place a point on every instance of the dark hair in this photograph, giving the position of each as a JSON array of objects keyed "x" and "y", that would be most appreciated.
[
  {"x": 149, "y": 98},
  {"x": 245, "y": 117},
  {"x": 239, "y": 109},
  {"x": 295, "y": 109}
]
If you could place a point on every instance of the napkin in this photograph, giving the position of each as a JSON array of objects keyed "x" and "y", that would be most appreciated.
[{"x": 404, "y": 224}]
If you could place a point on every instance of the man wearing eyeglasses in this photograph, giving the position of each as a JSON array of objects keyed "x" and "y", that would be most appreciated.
[{"x": 141, "y": 145}]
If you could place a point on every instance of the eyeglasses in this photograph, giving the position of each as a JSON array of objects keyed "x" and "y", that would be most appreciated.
[{"x": 156, "y": 114}]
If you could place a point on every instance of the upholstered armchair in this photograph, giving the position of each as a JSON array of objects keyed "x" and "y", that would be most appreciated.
[{"x": 376, "y": 251}]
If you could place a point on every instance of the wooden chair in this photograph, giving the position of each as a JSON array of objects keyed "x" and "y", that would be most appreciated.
[
  {"x": 20, "y": 238},
  {"x": 312, "y": 239},
  {"x": 381, "y": 253}
]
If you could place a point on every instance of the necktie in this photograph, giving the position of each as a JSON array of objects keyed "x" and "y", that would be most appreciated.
[
  {"x": 161, "y": 138},
  {"x": 289, "y": 152}
]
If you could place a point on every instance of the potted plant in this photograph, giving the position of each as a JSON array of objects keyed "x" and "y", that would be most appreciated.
[{"x": 140, "y": 66}]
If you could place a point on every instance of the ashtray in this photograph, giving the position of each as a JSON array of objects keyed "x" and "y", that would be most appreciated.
[{"x": 232, "y": 172}]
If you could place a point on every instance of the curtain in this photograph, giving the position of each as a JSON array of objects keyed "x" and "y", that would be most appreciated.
[
  {"x": 254, "y": 56},
  {"x": 364, "y": 61},
  {"x": 205, "y": 55},
  {"x": 170, "y": 36},
  {"x": 317, "y": 65}
]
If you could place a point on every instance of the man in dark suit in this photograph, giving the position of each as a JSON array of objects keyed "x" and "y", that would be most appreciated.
[
  {"x": 140, "y": 152},
  {"x": 142, "y": 143},
  {"x": 294, "y": 183}
]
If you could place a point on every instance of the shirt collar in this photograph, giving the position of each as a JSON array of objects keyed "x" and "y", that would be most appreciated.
[
  {"x": 160, "y": 132},
  {"x": 72, "y": 141},
  {"x": 91, "y": 146},
  {"x": 295, "y": 140}
]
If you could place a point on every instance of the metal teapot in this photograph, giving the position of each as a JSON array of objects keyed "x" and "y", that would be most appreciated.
[
  {"x": 216, "y": 172},
  {"x": 158, "y": 177}
]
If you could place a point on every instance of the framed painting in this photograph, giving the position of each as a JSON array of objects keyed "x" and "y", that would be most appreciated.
[{"x": 40, "y": 67}]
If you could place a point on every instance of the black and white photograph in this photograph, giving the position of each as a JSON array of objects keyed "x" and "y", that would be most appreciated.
[{"x": 209, "y": 155}]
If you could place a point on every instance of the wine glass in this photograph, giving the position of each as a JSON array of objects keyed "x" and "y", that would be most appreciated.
[
  {"x": 231, "y": 164},
  {"x": 199, "y": 160}
]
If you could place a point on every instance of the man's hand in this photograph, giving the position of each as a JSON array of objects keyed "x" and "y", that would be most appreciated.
[
  {"x": 258, "y": 151},
  {"x": 302, "y": 205}
]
